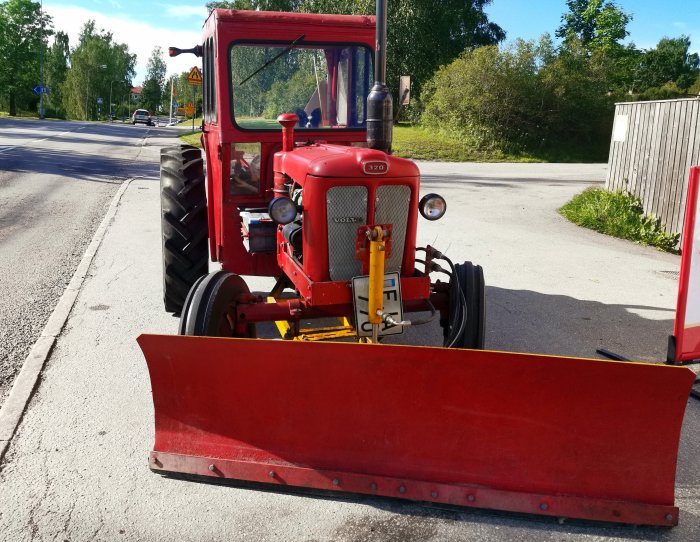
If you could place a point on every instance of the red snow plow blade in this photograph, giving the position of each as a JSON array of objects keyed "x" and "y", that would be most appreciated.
[{"x": 563, "y": 437}]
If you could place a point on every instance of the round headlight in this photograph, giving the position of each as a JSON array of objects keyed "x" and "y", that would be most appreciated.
[
  {"x": 432, "y": 206},
  {"x": 282, "y": 210}
]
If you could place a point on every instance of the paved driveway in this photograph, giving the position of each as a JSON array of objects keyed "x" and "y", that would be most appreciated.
[{"x": 77, "y": 468}]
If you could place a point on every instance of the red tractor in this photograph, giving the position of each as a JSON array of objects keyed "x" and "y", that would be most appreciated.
[
  {"x": 303, "y": 207},
  {"x": 325, "y": 208}
]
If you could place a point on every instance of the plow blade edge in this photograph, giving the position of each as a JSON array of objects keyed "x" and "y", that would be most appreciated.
[{"x": 564, "y": 437}]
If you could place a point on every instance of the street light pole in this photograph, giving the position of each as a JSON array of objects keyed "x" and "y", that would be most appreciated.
[
  {"x": 110, "y": 100},
  {"x": 41, "y": 62},
  {"x": 172, "y": 84},
  {"x": 87, "y": 86}
]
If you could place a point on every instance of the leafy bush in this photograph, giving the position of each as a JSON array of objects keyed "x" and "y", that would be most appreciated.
[
  {"x": 620, "y": 215},
  {"x": 668, "y": 91},
  {"x": 525, "y": 97}
]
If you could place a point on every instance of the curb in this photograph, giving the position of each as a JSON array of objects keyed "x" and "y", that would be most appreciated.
[{"x": 26, "y": 381}]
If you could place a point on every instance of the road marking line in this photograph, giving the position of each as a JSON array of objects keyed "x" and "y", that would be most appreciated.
[{"x": 25, "y": 383}]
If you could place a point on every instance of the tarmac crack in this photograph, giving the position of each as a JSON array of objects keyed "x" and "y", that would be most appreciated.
[
  {"x": 66, "y": 523},
  {"x": 116, "y": 275},
  {"x": 37, "y": 505}
]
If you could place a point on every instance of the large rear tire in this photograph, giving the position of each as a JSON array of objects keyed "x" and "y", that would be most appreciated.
[
  {"x": 184, "y": 222},
  {"x": 471, "y": 282},
  {"x": 210, "y": 307}
]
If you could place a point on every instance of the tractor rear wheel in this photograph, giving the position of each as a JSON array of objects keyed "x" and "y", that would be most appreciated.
[
  {"x": 184, "y": 223},
  {"x": 470, "y": 278},
  {"x": 210, "y": 307}
]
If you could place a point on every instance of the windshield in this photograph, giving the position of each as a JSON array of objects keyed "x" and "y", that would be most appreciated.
[{"x": 326, "y": 86}]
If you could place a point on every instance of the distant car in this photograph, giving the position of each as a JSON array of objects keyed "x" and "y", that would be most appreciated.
[{"x": 142, "y": 115}]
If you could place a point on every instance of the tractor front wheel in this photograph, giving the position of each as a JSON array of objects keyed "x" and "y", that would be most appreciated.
[
  {"x": 210, "y": 307},
  {"x": 184, "y": 222},
  {"x": 470, "y": 278}
]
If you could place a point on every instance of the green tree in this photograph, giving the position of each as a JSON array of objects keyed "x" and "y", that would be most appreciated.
[
  {"x": 152, "y": 95},
  {"x": 596, "y": 29},
  {"x": 55, "y": 72},
  {"x": 669, "y": 62},
  {"x": 579, "y": 112},
  {"x": 24, "y": 29},
  {"x": 596, "y": 24},
  {"x": 99, "y": 67}
]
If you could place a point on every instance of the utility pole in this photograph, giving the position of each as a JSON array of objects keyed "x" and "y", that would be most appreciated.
[
  {"x": 87, "y": 86},
  {"x": 172, "y": 82},
  {"x": 110, "y": 99},
  {"x": 41, "y": 62}
]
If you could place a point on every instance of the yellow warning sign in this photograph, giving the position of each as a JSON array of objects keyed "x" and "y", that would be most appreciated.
[
  {"x": 195, "y": 76},
  {"x": 189, "y": 109}
]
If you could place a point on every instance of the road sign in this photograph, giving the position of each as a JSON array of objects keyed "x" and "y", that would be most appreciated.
[
  {"x": 195, "y": 76},
  {"x": 99, "y": 100},
  {"x": 40, "y": 90},
  {"x": 189, "y": 109},
  {"x": 405, "y": 89}
]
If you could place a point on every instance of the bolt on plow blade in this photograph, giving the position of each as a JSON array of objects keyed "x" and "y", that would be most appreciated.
[{"x": 565, "y": 437}]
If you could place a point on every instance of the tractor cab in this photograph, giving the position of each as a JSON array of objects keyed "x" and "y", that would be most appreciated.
[{"x": 256, "y": 66}]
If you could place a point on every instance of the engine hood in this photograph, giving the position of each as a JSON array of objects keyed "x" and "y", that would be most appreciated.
[{"x": 339, "y": 161}]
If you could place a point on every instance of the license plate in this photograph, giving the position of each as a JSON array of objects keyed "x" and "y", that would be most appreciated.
[{"x": 392, "y": 304}]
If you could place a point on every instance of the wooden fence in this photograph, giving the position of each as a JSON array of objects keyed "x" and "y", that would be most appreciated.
[{"x": 653, "y": 146}]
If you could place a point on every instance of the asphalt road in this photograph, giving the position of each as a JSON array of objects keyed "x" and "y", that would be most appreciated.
[
  {"x": 56, "y": 179},
  {"x": 77, "y": 467}
]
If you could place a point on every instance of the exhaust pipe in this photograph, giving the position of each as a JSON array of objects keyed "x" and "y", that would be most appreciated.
[{"x": 379, "y": 103}]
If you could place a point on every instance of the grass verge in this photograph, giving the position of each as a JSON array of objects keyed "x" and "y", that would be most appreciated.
[
  {"x": 192, "y": 138},
  {"x": 417, "y": 143},
  {"x": 420, "y": 144},
  {"x": 619, "y": 215}
]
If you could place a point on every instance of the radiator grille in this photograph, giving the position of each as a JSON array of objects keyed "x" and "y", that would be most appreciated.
[
  {"x": 346, "y": 209},
  {"x": 392, "y": 208}
]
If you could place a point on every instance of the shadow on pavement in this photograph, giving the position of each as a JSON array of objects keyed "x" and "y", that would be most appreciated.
[
  {"x": 75, "y": 165},
  {"x": 47, "y": 125},
  {"x": 527, "y": 321}
]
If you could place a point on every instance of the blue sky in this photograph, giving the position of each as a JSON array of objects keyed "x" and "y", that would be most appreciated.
[
  {"x": 651, "y": 19},
  {"x": 145, "y": 24}
]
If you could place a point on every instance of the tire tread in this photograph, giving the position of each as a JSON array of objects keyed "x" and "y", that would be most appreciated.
[{"x": 184, "y": 223}]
